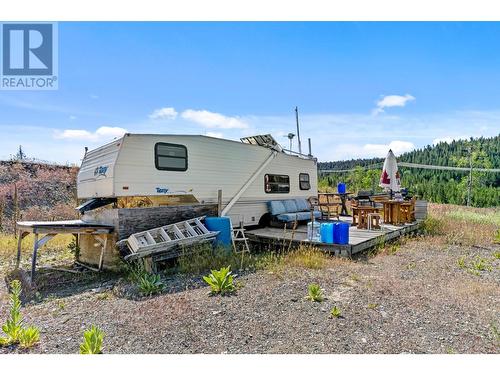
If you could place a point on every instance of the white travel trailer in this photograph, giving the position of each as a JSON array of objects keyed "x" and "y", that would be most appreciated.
[{"x": 171, "y": 167}]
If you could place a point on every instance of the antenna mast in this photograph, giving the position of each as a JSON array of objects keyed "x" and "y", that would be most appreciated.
[{"x": 298, "y": 130}]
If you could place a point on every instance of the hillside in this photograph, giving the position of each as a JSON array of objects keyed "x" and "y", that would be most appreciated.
[
  {"x": 30, "y": 191},
  {"x": 435, "y": 186}
]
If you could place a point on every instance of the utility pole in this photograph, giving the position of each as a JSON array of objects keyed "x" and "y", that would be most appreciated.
[
  {"x": 298, "y": 131},
  {"x": 469, "y": 185}
]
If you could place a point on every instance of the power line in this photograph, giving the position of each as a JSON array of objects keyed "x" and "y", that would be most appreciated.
[{"x": 415, "y": 165}]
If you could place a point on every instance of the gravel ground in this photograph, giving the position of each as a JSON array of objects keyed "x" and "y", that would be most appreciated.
[{"x": 410, "y": 299}]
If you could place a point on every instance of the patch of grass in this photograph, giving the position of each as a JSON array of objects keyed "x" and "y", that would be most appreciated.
[
  {"x": 8, "y": 245},
  {"x": 496, "y": 332},
  {"x": 461, "y": 262},
  {"x": 480, "y": 264},
  {"x": 431, "y": 226},
  {"x": 221, "y": 281},
  {"x": 202, "y": 258},
  {"x": 473, "y": 216},
  {"x": 92, "y": 341},
  {"x": 411, "y": 266},
  {"x": 335, "y": 312},
  {"x": 61, "y": 305},
  {"x": 496, "y": 255},
  {"x": 466, "y": 225},
  {"x": 354, "y": 277},
  {"x": 306, "y": 257},
  {"x": 315, "y": 293},
  {"x": 372, "y": 306}
]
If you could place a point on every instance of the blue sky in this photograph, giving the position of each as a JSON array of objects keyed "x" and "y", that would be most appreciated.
[{"x": 360, "y": 87}]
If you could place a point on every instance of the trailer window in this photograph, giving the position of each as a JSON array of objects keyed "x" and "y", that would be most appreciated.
[
  {"x": 304, "y": 183},
  {"x": 170, "y": 157},
  {"x": 276, "y": 183}
]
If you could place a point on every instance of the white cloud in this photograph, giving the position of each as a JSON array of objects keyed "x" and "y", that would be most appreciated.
[
  {"x": 72, "y": 118},
  {"x": 214, "y": 134},
  {"x": 102, "y": 134},
  {"x": 167, "y": 113},
  {"x": 93, "y": 96},
  {"x": 392, "y": 101},
  {"x": 211, "y": 120},
  {"x": 448, "y": 139},
  {"x": 381, "y": 150}
]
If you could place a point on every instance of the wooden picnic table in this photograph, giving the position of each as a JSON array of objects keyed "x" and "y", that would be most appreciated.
[{"x": 360, "y": 215}]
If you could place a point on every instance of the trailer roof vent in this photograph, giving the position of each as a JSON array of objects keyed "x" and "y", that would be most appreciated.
[{"x": 264, "y": 140}]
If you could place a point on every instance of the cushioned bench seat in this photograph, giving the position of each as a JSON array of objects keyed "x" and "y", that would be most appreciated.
[{"x": 291, "y": 210}]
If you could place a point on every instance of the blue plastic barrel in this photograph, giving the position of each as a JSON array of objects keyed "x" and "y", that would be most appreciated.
[
  {"x": 341, "y": 233},
  {"x": 223, "y": 226},
  {"x": 326, "y": 231},
  {"x": 341, "y": 188}
]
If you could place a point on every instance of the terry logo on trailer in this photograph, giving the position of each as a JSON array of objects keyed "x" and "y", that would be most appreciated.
[
  {"x": 100, "y": 171},
  {"x": 161, "y": 190},
  {"x": 29, "y": 56}
]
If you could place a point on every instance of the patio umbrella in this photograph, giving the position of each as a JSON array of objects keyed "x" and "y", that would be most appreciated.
[{"x": 389, "y": 179}]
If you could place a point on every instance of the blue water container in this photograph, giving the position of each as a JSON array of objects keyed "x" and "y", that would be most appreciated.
[
  {"x": 341, "y": 233},
  {"x": 341, "y": 188},
  {"x": 223, "y": 226},
  {"x": 327, "y": 232}
]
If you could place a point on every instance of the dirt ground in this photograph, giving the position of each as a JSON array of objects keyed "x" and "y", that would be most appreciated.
[{"x": 420, "y": 296}]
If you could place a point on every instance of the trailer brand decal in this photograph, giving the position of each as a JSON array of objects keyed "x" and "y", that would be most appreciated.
[
  {"x": 160, "y": 190},
  {"x": 100, "y": 171}
]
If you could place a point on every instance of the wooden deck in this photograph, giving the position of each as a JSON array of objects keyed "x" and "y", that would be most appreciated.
[{"x": 359, "y": 239}]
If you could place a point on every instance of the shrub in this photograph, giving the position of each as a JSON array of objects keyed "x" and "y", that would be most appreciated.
[
  {"x": 29, "y": 337},
  {"x": 314, "y": 293},
  {"x": 150, "y": 284},
  {"x": 461, "y": 262},
  {"x": 335, "y": 312},
  {"x": 221, "y": 282},
  {"x": 92, "y": 341}
]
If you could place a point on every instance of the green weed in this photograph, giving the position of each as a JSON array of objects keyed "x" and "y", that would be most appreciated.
[
  {"x": 221, "y": 281},
  {"x": 335, "y": 312},
  {"x": 315, "y": 293},
  {"x": 14, "y": 327},
  {"x": 150, "y": 284},
  {"x": 29, "y": 337},
  {"x": 92, "y": 341}
]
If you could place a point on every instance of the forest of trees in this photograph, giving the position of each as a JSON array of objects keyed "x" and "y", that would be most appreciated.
[{"x": 433, "y": 185}]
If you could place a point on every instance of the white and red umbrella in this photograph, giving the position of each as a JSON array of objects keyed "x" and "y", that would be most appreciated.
[{"x": 390, "y": 179}]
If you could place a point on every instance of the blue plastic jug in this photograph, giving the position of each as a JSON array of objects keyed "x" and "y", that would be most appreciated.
[
  {"x": 327, "y": 232},
  {"x": 341, "y": 234},
  {"x": 341, "y": 188}
]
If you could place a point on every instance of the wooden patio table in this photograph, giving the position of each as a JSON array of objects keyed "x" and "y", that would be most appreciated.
[{"x": 360, "y": 215}]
